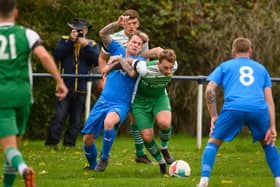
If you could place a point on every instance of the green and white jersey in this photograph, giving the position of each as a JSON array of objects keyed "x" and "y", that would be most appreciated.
[
  {"x": 121, "y": 38},
  {"x": 153, "y": 83},
  {"x": 16, "y": 44}
]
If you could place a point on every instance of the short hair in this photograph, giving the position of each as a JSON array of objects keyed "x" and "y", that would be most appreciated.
[
  {"x": 241, "y": 45},
  {"x": 7, "y": 7},
  {"x": 144, "y": 37},
  {"x": 133, "y": 14},
  {"x": 167, "y": 54}
]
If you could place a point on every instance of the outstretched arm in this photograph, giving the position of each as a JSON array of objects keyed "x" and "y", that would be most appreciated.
[{"x": 105, "y": 32}]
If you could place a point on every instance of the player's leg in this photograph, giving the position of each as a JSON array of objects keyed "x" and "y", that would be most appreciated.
[
  {"x": 75, "y": 117},
  {"x": 90, "y": 150},
  {"x": 57, "y": 121},
  {"x": 273, "y": 160},
  {"x": 138, "y": 142},
  {"x": 152, "y": 147},
  {"x": 91, "y": 131},
  {"x": 227, "y": 126},
  {"x": 111, "y": 120},
  {"x": 14, "y": 122},
  {"x": 207, "y": 160},
  {"x": 258, "y": 124},
  {"x": 162, "y": 112}
]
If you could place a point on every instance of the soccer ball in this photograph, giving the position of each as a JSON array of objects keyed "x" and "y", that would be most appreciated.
[{"x": 180, "y": 168}]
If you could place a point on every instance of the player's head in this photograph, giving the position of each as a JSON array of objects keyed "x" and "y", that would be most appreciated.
[
  {"x": 167, "y": 59},
  {"x": 135, "y": 43},
  {"x": 133, "y": 22},
  {"x": 7, "y": 8},
  {"x": 241, "y": 47}
]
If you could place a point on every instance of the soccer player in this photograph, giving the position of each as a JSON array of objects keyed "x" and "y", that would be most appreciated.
[
  {"x": 111, "y": 108},
  {"x": 121, "y": 37},
  {"x": 247, "y": 100},
  {"x": 16, "y": 45},
  {"x": 151, "y": 104}
]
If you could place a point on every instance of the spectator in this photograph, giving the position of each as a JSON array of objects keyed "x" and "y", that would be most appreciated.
[{"x": 76, "y": 55}]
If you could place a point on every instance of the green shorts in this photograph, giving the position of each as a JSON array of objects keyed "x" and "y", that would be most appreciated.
[
  {"x": 13, "y": 121},
  {"x": 145, "y": 110}
]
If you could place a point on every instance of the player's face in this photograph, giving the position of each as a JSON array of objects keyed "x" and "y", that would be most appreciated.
[
  {"x": 134, "y": 45},
  {"x": 165, "y": 67},
  {"x": 131, "y": 26}
]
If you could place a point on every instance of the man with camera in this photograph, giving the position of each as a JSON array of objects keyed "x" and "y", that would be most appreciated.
[{"x": 75, "y": 54}]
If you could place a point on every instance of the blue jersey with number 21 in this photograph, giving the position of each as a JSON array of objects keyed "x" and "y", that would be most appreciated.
[{"x": 243, "y": 80}]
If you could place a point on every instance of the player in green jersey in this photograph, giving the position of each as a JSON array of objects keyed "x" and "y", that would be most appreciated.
[
  {"x": 16, "y": 45},
  {"x": 151, "y": 104}
]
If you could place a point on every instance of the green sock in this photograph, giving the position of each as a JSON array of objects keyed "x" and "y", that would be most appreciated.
[
  {"x": 164, "y": 136},
  {"x": 138, "y": 141},
  {"x": 9, "y": 175},
  {"x": 153, "y": 149},
  {"x": 14, "y": 158}
]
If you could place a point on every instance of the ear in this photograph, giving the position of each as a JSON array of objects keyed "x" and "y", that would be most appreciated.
[{"x": 15, "y": 12}]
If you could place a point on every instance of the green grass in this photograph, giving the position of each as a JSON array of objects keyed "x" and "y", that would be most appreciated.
[{"x": 239, "y": 164}]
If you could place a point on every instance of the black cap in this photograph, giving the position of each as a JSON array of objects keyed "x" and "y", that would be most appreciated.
[{"x": 79, "y": 24}]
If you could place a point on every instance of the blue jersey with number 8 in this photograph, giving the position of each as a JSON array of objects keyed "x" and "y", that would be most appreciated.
[{"x": 243, "y": 80}]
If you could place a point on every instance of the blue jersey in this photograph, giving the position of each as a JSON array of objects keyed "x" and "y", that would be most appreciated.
[
  {"x": 243, "y": 80},
  {"x": 118, "y": 85}
]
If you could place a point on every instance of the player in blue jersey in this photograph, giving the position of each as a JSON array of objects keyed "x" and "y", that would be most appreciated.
[
  {"x": 113, "y": 105},
  {"x": 248, "y": 101}
]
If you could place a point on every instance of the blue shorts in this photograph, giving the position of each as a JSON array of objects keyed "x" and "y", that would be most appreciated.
[
  {"x": 95, "y": 122},
  {"x": 230, "y": 123}
]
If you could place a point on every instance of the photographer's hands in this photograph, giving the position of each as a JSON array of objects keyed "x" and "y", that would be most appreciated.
[{"x": 74, "y": 36}]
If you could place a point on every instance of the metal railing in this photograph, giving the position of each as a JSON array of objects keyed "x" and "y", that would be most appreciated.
[{"x": 200, "y": 79}]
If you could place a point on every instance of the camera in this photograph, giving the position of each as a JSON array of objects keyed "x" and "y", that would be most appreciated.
[{"x": 80, "y": 34}]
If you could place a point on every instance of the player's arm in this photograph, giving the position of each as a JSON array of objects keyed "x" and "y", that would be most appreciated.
[
  {"x": 102, "y": 60},
  {"x": 271, "y": 133},
  {"x": 210, "y": 94},
  {"x": 152, "y": 53},
  {"x": 105, "y": 32},
  {"x": 50, "y": 66}
]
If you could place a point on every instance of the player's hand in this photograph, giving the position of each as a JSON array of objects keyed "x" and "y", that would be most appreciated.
[
  {"x": 61, "y": 90},
  {"x": 270, "y": 136},
  {"x": 122, "y": 20}
]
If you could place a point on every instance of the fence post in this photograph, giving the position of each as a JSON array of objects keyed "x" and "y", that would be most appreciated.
[
  {"x": 199, "y": 114},
  {"x": 88, "y": 98}
]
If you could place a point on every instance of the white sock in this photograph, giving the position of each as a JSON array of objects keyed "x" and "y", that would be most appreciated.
[
  {"x": 204, "y": 180},
  {"x": 21, "y": 168}
]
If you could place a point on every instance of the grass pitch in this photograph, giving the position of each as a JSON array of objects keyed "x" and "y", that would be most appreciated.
[{"x": 238, "y": 164}]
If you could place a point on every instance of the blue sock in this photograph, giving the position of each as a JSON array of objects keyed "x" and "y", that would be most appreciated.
[
  {"x": 272, "y": 159},
  {"x": 208, "y": 159},
  {"x": 108, "y": 140},
  {"x": 91, "y": 154}
]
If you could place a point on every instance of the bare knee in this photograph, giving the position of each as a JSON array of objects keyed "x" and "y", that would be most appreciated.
[
  {"x": 163, "y": 120},
  {"x": 147, "y": 135},
  {"x": 111, "y": 120},
  {"x": 88, "y": 139}
]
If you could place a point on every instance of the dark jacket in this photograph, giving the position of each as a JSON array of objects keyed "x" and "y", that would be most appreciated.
[{"x": 79, "y": 62}]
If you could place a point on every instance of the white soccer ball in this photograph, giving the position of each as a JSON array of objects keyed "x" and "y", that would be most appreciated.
[{"x": 180, "y": 168}]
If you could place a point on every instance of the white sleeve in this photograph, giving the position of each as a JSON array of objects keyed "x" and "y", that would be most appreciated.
[
  {"x": 32, "y": 37},
  {"x": 140, "y": 66}
]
